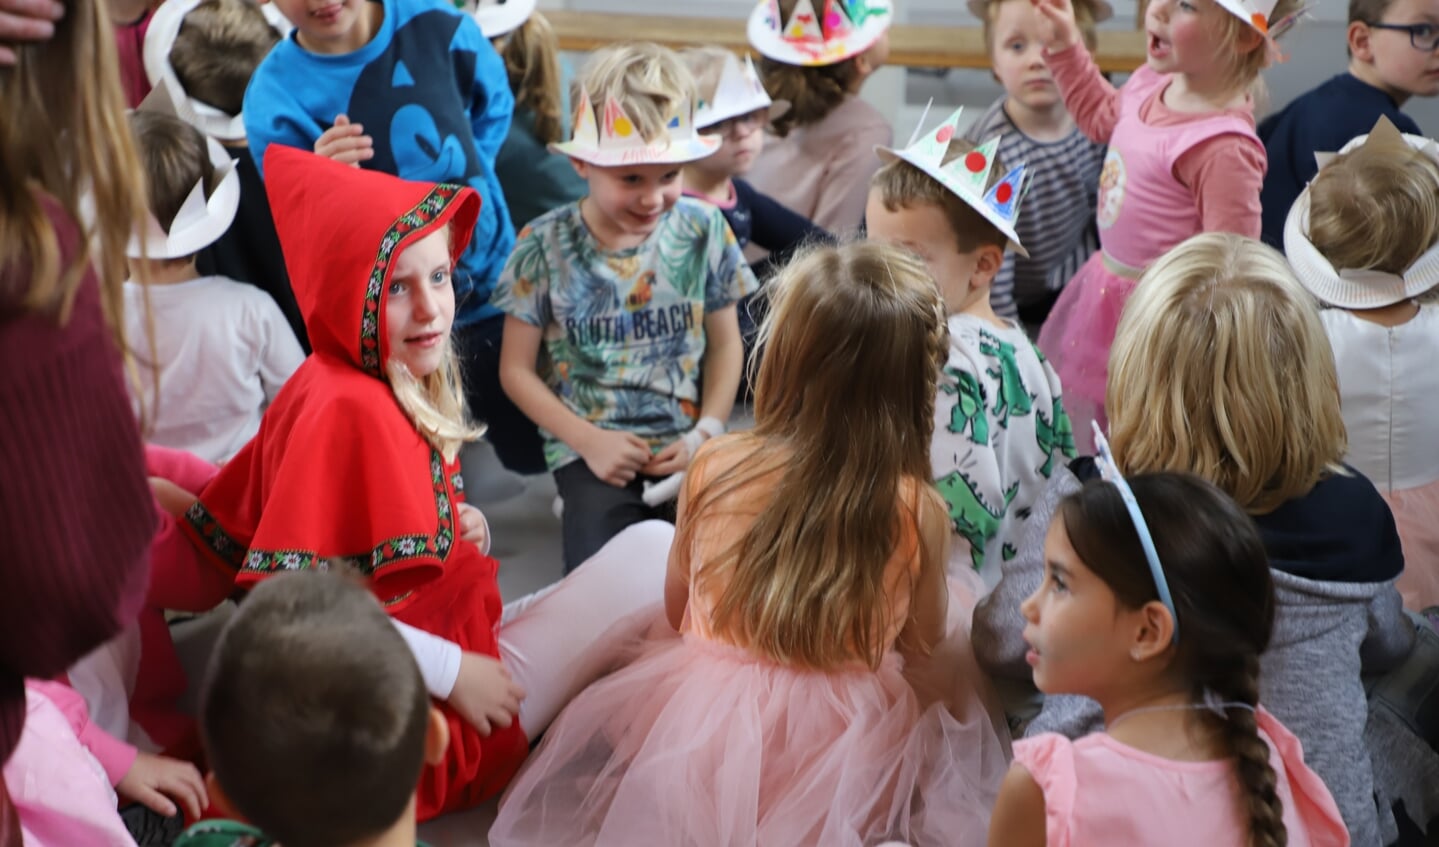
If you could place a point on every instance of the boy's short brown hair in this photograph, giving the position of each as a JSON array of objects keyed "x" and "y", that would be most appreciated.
[
  {"x": 1083, "y": 15},
  {"x": 903, "y": 186},
  {"x": 313, "y": 712},
  {"x": 174, "y": 157},
  {"x": 220, "y": 44},
  {"x": 1368, "y": 11}
]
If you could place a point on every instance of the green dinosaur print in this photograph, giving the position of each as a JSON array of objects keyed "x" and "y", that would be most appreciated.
[
  {"x": 968, "y": 412},
  {"x": 1054, "y": 435},
  {"x": 971, "y": 517},
  {"x": 1014, "y": 398}
]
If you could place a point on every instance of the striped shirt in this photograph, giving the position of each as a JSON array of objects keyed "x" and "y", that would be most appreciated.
[{"x": 1056, "y": 219}]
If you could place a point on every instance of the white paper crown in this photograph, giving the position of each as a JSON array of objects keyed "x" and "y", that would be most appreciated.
[
  {"x": 1256, "y": 13},
  {"x": 610, "y": 138},
  {"x": 967, "y": 175},
  {"x": 846, "y": 28},
  {"x": 201, "y": 219},
  {"x": 1359, "y": 288},
  {"x": 497, "y": 17},
  {"x": 160, "y": 38},
  {"x": 738, "y": 92}
]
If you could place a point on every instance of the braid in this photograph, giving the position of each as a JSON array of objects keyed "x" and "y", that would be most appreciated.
[{"x": 1257, "y": 779}]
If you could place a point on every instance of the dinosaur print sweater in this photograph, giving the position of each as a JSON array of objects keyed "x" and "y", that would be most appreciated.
[
  {"x": 1000, "y": 431},
  {"x": 434, "y": 96}
]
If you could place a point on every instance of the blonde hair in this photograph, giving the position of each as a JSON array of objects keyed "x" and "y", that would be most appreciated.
[
  {"x": 1248, "y": 397},
  {"x": 1243, "y": 67},
  {"x": 901, "y": 185},
  {"x": 1375, "y": 209},
  {"x": 844, "y": 413},
  {"x": 531, "y": 55},
  {"x": 647, "y": 80},
  {"x": 219, "y": 45},
  {"x": 1083, "y": 17}
]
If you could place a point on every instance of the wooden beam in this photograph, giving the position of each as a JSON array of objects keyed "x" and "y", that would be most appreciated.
[{"x": 911, "y": 45}]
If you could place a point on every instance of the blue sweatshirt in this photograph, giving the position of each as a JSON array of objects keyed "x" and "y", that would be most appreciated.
[{"x": 436, "y": 115}]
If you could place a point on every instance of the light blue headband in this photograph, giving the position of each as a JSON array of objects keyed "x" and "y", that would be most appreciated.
[{"x": 1110, "y": 473}]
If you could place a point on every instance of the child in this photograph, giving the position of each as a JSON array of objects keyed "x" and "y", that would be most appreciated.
[
  {"x": 410, "y": 88},
  {"x": 204, "y": 53},
  {"x": 631, "y": 292},
  {"x": 809, "y": 559},
  {"x": 821, "y": 164},
  {"x": 1258, "y": 416},
  {"x": 534, "y": 179},
  {"x": 335, "y": 758},
  {"x": 1362, "y": 238},
  {"x": 1058, "y": 224},
  {"x": 1391, "y": 58},
  {"x": 735, "y": 108},
  {"x": 222, "y": 349},
  {"x": 1157, "y": 603},
  {"x": 1183, "y": 158},
  {"x": 1000, "y": 428},
  {"x": 355, "y": 465}
]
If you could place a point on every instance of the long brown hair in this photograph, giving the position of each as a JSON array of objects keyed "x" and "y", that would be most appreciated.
[
  {"x": 844, "y": 412},
  {"x": 1218, "y": 573},
  {"x": 67, "y": 147},
  {"x": 531, "y": 55}
]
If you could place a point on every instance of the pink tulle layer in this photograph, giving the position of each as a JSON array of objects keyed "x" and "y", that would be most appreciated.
[{"x": 697, "y": 743}]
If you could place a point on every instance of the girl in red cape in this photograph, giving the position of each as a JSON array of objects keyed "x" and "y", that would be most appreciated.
[{"x": 355, "y": 465}]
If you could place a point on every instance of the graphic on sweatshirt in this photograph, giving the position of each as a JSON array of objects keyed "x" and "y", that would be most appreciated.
[
  {"x": 971, "y": 517},
  {"x": 1014, "y": 398},
  {"x": 970, "y": 405},
  {"x": 1054, "y": 434},
  {"x": 1112, "y": 180}
]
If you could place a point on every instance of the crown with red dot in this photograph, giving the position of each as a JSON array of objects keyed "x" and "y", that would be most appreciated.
[{"x": 967, "y": 175}]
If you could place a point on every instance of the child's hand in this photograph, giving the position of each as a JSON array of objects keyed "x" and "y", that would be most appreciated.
[
  {"x": 615, "y": 457},
  {"x": 676, "y": 455},
  {"x": 1063, "y": 30},
  {"x": 345, "y": 143},
  {"x": 484, "y": 693},
  {"x": 155, "y": 780},
  {"x": 170, "y": 497},
  {"x": 473, "y": 527}
]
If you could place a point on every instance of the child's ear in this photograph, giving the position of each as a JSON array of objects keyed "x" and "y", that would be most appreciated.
[
  {"x": 219, "y": 800},
  {"x": 1359, "y": 46},
  {"x": 987, "y": 262},
  {"x": 437, "y": 737},
  {"x": 581, "y": 167},
  {"x": 1155, "y": 634}
]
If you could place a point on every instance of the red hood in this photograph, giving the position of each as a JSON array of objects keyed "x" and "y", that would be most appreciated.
[{"x": 341, "y": 229}]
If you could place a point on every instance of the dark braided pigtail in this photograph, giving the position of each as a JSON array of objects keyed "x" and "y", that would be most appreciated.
[{"x": 1258, "y": 784}]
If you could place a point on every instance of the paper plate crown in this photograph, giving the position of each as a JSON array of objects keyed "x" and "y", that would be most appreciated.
[
  {"x": 609, "y": 138},
  {"x": 160, "y": 38},
  {"x": 497, "y": 17},
  {"x": 1256, "y": 13},
  {"x": 844, "y": 28},
  {"x": 968, "y": 174},
  {"x": 738, "y": 92},
  {"x": 201, "y": 219},
  {"x": 1359, "y": 288}
]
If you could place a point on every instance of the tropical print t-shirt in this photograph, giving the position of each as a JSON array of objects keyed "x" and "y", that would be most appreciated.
[{"x": 624, "y": 330}]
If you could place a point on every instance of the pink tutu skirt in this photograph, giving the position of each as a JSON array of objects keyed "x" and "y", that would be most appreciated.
[
  {"x": 1076, "y": 339},
  {"x": 698, "y": 743},
  {"x": 1416, "y": 511}
]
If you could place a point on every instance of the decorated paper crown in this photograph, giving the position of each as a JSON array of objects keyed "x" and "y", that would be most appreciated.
[
  {"x": 967, "y": 175},
  {"x": 1359, "y": 288},
  {"x": 1256, "y": 13},
  {"x": 201, "y": 219},
  {"x": 845, "y": 28},
  {"x": 1098, "y": 9},
  {"x": 497, "y": 17},
  {"x": 610, "y": 138},
  {"x": 738, "y": 92},
  {"x": 160, "y": 38}
]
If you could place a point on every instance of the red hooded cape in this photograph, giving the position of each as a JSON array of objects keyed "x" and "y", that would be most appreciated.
[{"x": 337, "y": 470}]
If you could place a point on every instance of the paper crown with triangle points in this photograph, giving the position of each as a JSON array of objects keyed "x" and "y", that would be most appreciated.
[
  {"x": 202, "y": 218},
  {"x": 1359, "y": 288},
  {"x": 844, "y": 28},
  {"x": 1256, "y": 13},
  {"x": 738, "y": 92},
  {"x": 967, "y": 175},
  {"x": 497, "y": 17},
  {"x": 160, "y": 37},
  {"x": 609, "y": 138}
]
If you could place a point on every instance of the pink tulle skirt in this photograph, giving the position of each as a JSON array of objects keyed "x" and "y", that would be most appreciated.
[
  {"x": 1416, "y": 511},
  {"x": 698, "y": 743},
  {"x": 1076, "y": 339}
]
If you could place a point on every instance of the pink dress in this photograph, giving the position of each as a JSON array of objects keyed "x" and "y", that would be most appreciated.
[
  {"x": 1143, "y": 210},
  {"x": 1132, "y": 797},
  {"x": 702, "y": 742}
]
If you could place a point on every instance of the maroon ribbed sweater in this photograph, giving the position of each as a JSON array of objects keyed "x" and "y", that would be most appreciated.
[{"x": 75, "y": 510}]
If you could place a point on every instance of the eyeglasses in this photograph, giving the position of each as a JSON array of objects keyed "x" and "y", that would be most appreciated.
[
  {"x": 739, "y": 124},
  {"x": 1109, "y": 472},
  {"x": 1421, "y": 36}
]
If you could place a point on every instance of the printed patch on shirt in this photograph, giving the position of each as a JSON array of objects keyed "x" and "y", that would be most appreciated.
[{"x": 1112, "y": 181}]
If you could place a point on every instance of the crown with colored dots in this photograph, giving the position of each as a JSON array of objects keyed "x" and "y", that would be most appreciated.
[
  {"x": 609, "y": 138},
  {"x": 967, "y": 175}
]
